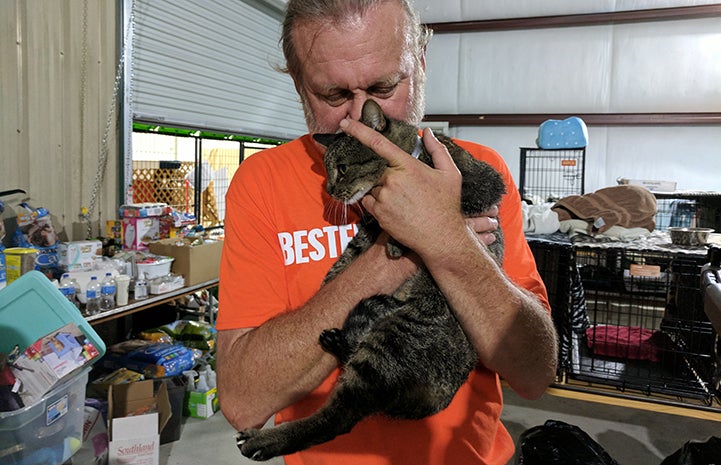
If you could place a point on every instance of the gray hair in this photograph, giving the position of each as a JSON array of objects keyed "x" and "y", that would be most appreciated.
[{"x": 297, "y": 11}]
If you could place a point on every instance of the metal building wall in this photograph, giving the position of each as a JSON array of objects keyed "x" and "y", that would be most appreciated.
[
  {"x": 57, "y": 67},
  {"x": 639, "y": 67}
]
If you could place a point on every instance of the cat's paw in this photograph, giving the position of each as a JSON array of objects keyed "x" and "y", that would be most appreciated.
[
  {"x": 334, "y": 342},
  {"x": 251, "y": 445}
]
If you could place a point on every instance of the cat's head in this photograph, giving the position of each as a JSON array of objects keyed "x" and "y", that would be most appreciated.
[{"x": 354, "y": 169}]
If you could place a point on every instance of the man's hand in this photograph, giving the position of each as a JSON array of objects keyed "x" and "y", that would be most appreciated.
[{"x": 415, "y": 203}]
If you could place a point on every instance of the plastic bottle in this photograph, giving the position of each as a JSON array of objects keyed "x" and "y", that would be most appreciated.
[
  {"x": 92, "y": 296},
  {"x": 202, "y": 384},
  {"x": 107, "y": 293},
  {"x": 190, "y": 380},
  {"x": 69, "y": 288},
  {"x": 140, "y": 290},
  {"x": 212, "y": 381}
]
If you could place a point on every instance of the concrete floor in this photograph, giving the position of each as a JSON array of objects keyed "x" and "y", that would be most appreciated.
[{"x": 631, "y": 436}]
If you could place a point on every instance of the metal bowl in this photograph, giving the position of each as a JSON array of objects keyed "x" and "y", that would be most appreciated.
[{"x": 689, "y": 236}]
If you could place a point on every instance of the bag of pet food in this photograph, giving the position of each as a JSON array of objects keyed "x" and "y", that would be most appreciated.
[{"x": 35, "y": 230}]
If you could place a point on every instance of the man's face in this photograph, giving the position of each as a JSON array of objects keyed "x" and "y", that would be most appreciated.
[{"x": 346, "y": 63}]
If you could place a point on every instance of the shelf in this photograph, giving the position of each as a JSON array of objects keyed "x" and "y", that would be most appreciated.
[
  {"x": 651, "y": 402},
  {"x": 591, "y": 119},
  {"x": 135, "y": 306}
]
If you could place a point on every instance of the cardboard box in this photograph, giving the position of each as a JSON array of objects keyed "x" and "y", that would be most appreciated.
[
  {"x": 143, "y": 210},
  {"x": 134, "y": 435},
  {"x": 139, "y": 232},
  {"x": 79, "y": 255},
  {"x": 203, "y": 404},
  {"x": 651, "y": 184},
  {"x": 197, "y": 264}
]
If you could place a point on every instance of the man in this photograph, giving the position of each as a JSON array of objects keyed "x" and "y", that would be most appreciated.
[{"x": 283, "y": 234}]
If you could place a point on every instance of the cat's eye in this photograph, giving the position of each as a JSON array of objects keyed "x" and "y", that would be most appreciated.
[{"x": 341, "y": 168}]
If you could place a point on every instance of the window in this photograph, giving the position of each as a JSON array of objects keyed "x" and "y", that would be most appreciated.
[{"x": 188, "y": 169}]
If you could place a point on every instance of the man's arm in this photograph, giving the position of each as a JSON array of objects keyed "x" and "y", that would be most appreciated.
[
  {"x": 263, "y": 370},
  {"x": 420, "y": 207}
]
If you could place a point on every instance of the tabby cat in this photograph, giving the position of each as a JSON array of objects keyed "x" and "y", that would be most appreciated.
[{"x": 403, "y": 355}]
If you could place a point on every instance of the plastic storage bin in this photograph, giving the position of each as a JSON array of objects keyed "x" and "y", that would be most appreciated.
[
  {"x": 31, "y": 307},
  {"x": 48, "y": 432}
]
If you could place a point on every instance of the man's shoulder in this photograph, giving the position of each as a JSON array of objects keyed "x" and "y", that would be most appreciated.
[
  {"x": 286, "y": 149},
  {"x": 483, "y": 153}
]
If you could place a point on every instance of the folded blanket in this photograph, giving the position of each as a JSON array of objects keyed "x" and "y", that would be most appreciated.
[
  {"x": 581, "y": 230},
  {"x": 628, "y": 206}
]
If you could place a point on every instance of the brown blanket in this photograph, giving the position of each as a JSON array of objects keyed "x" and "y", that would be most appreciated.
[{"x": 626, "y": 205}]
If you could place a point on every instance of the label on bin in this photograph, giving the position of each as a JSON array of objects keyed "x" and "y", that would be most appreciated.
[{"x": 56, "y": 410}]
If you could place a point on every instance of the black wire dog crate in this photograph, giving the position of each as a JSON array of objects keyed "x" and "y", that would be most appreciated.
[
  {"x": 688, "y": 208},
  {"x": 554, "y": 262},
  {"x": 647, "y": 329},
  {"x": 549, "y": 175}
]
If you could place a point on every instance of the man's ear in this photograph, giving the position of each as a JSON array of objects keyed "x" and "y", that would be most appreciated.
[{"x": 325, "y": 139}]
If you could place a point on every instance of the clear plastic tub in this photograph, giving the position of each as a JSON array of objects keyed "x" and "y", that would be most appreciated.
[{"x": 49, "y": 431}]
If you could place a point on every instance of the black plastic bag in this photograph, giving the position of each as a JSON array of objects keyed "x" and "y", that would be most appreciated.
[
  {"x": 558, "y": 443},
  {"x": 697, "y": 453}
]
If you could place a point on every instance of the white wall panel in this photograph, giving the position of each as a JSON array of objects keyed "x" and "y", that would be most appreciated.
[
  {"x": 667, "y": 66},
  {"x": 646, "y": 67},
  {"x": 438, "y": 11},
  {"x": 535, "y": 71},
  {"x": 433, "y": 11},
  {"x": 523, "y": 8},
  {"x": 442, "y": 71},
  {"x": 690, "y": 155},
  {"x": 660, "y": 66}
]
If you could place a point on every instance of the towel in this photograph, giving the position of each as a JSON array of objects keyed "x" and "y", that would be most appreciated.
[{"x": 627, "y": 206}]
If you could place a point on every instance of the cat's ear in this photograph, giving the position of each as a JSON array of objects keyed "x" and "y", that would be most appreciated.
[
  {"x": 325, "y": 139},
  {"x": 372, "y": 116}
]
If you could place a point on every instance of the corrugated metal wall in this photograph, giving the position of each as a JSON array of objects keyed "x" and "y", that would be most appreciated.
[
  {"x": 52, "y": 114},
  {"x": 213, "y": 68}
]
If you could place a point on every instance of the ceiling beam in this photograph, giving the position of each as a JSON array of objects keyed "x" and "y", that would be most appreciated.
[{"x": 588, "y": 19}]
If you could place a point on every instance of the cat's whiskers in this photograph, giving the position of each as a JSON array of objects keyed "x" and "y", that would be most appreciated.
[{"x": 338, "y": 212}]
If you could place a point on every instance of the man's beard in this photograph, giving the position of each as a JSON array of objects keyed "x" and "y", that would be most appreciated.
[{"x": 415, "y": 110}]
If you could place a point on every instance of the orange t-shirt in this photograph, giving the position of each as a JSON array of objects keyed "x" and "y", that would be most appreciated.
[{"x": 282, "y": 235}]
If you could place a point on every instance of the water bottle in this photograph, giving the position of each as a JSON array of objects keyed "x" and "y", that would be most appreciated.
[
  {"x": 69, "y": 288},
  {"x": 92, "y": 297},
  {"x": 140, "y": 290},
  {"x": 107, "y": 293}
]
